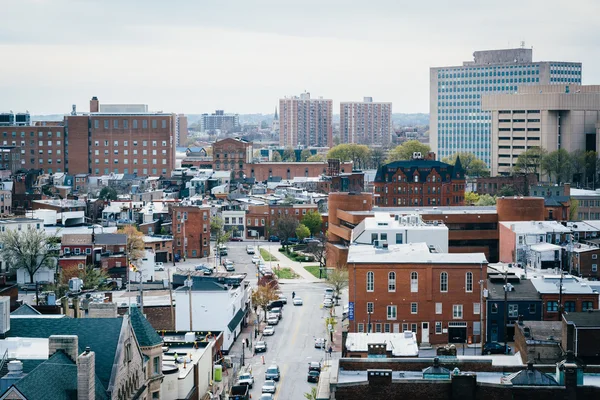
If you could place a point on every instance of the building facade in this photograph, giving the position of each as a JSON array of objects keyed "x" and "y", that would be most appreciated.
[
  {"x": 219, "y": 121},
  {"x": 551, "y": 117},
  {"x": 397, "y": 288},
  {"x": 191, "y": 231},
  {"x": 458, "y": 122},
  {"x": 420, "y": 182},
  {"x": 366, "y": 122},
  {"x": 305, "y": 122}
]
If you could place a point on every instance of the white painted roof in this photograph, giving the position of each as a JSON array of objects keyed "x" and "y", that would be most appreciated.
[
  {"x": 570, "y": 284},
  {"x": 542, "y": 247},
  {"x": 536, "y": 227},
  {"x": 582, "y": 192},
  {"x": 411, "y": 253},
  {"x": 400, "y": 344}
]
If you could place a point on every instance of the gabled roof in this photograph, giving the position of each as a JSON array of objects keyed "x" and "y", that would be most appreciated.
[
  {"x": 144, "y": 332},
  {"x": 101, "y": 335},
  {"x": 55, "y": 378},
  {"x": 111, "y": 239},
  {"x": 531, "y": 377},
  {"x": 26, "y": 309},
  {"x": 74, "y": 239}
]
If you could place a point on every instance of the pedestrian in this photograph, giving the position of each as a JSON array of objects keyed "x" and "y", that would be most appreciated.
[
  {"x": 247, "y": 343},
  {"x": 293, "y": 294},
  {"x": 330, "y": 350}
]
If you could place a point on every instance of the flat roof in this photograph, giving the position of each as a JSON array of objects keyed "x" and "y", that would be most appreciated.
[
  {"x": 411, "y": 253},
  {"x": 570, "y": 284}
]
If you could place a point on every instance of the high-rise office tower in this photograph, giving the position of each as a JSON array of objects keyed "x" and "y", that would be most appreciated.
[
  {"x": 305, "y": 122},
  {"x": 366, "y": 122},
  {"x": 457, "y": 122},
  {"x": 219, "y": 120}
]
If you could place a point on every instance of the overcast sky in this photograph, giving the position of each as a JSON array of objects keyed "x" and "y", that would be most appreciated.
[{"x": 194, "y": 56}]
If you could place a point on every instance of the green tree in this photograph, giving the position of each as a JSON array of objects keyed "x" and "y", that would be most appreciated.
[
  {"x": 473, "y": 166},
  {"x": 285, "y": 227},
  {"x": 276, "y": 157},
  {"x": 302, "y": 232},
  {"x": 135, "y": 243},
  {"x": 471, "y": 198},
  {"x": 312, "y": 395},
  {"x": 313, "y": 221},
  {"x": 30, "y": 249},
  {"x": 486, "y": 200},
  {"x": 108, "y": 193},
  {"x": 557, "y": 165},
  {"x": 573, "y": 209},
  {"x": 507, "y": 190},
  {"x": 405, "y": 151},
  {"x": 338, "y": 281},
  {"x": 359, "y": 154},
  {"x": 305, "y": 155},
  {"x": 584, "y": 164},
  {"x": 217, "y": 229},
  {"x": 93, "y": 278},
  {"x": 377, "y": 157},
  {"x": 289, "y": 155},
  {"x": 316, "y": 158},
  {"x": 530, "y": 161}
]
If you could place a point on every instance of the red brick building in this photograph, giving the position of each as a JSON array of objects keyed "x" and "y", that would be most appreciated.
[
  {"x": 263, "y": 218},
  {"x": 38, "y": 146},
  {"x": 574, "y": 296},
  {"x": 191, "y": 231},
  {"x": 420, "y": 182},
  {"x": 405, "y": 287}
]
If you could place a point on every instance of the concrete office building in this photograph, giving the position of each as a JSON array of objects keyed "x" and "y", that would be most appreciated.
[
  {"x": 457, "y": 121},
  {"x": 219, "y": 121},
  {"x": 366, "y": 122},
  {"x": 305, "y": 122},
  {"x": 565, "y": 116}
]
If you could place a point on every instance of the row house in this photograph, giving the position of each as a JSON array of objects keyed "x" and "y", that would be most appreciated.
[
  {"x": 191, "y": 230},
  {"x": 564, "y": 293},
  {"x": 407, "y": 287}
]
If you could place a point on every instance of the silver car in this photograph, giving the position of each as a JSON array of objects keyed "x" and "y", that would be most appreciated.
[{"x": 269, "y": 386}]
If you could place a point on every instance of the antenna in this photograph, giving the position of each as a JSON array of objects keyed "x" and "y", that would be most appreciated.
[{"x": 522, "y": 44}]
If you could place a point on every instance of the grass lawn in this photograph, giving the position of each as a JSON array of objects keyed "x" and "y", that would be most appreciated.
[
  {"x": 267, "y": 256},
  {"x": 285, "y": 273},
  {"x": 313, "y": 269}
]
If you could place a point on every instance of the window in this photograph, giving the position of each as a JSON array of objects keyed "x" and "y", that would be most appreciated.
[
  {"x": 513, "y": 310},
  {"x": 391, "y": 312},
  {"x": 594, "y": 267},
  {"x": 444, "y": 282},
  {"x": 587, "y": 305},
  {"x": 438, "y": 328},
  {"x": 438, "y": 308},
  {"x": 457, "y": 311},
  {"x": 386, "y": 328},
  {"x": 469, "y": 282},
  {"x": 378, "y": 327},
  {"x": 144, "y": 124},
  {"x": 164, "y": 123},
  {"x": 552, "y": 306},
  {"x": 404, "y": 327},
  {"x": 569, "y": 306},
  {"x": 414, "y": 282},
  {"x": 370, "y": 281},
  {"x": 414, "y": 308},
  {"x": 476, "y": 308},
  {"x": 156, "y": 365},
  {"x": 370, "y": 307},
  {"x": 594, "y": 256},
  {"x": 361, "y": 328},
  {"x": 154, "y": 124},
  {"x": 531, "y": 308},
  {"x": 398, "y": 238},
  {"x": 374, "y": 237},
  {"x": 135, "y": 124},
  {"x": 392, "y": 282},
  {"x": 413, "y": 328}
]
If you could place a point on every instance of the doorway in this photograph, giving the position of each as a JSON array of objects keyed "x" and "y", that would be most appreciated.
[{"x": 424, "y": 332}]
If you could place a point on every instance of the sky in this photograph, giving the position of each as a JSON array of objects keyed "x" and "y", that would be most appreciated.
[{"x": 195, "y": 56}]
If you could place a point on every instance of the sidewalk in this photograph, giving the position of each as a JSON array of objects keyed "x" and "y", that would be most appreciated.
[{"x": 284, "y": 262}]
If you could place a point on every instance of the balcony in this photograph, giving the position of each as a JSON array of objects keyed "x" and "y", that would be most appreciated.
[{"x": 340, "y": 231}]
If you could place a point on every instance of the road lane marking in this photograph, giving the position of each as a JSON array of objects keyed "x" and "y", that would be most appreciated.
[{"x": 284, "y": 368}]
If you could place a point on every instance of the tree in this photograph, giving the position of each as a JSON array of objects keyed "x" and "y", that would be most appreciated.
[
  {"x": 359, "y": 154},
  {"x": 262, "y": 296},
  {"x": 507, "y": 191},
  {"x": 289, "y": 155},
  {"x": 557, "y": 165},
  {"x": 30, "y": 249},
  {"x": 573, "y": 209},
  {"x": 473, "y": 166},
  {"x": 305, "y": 154},
  {"x": 312, "y": 395},
  {"x": 135, "y": 243},
  {"x": 217, "y": 229},
  {"x": 405, "y": 151},
  {"x": 530, "y": 161},
  {"x": 471, "y": 198},
  {"x": 583, "y": 164},
  {"x": 486, "y": 200},
  {"x": 316, "y": 158},
  {"x": 302, "y": 232},
  {"x": 276, "y": 157},
  {"x": 319, "y": 251},
  {"x": 285, "y": 227},
  {"x": 93, "y": 278},
  {"x": 377, "y": 157},
  {"x": 338, "y": 281},
  {"x": 313, "y": 221},
  {"x": 108, "y": 193}
]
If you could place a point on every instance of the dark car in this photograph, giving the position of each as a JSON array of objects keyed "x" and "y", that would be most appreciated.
[
  {"x": 236, "y": 239},
  {"x": 289, "y": 241},
  {"x": 260, "y": 347},
  {"x": 310, "y": 240},
  {"x": 496, "y": 348},
  {"x": 205, "y": 269},
  {"x": 313, "y": 376},
  {"x": 273, "y": 238},
  {"x": 314, "y": 366},
  {"x": 275, "y": 304}
]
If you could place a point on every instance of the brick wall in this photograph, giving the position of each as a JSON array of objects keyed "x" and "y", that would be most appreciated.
[{"x": 507, "y": 239}]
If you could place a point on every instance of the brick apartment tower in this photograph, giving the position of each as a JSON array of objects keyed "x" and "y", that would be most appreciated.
[
  {"x": 191, "y": 231},
  {"x": 366, "y": 122},
  {"x": 305, "y": 122}
]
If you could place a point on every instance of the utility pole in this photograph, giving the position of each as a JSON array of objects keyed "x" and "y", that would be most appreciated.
[
  {"x": 141, "y": 294},
  {"x": 171, "y": 299},
  {"x": 505, "y": 311},
  {"x": 560, "y": 303},
  {"x": 189, "y": 283}
]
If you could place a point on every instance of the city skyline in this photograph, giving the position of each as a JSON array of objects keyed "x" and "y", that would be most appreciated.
[{"x": 243, "y": 57}]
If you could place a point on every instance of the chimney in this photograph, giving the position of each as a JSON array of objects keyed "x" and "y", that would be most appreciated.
[
  {"x": 86, "y": 375},
  {"x": 68, "y": 344},
  {"x": 567, "y": 189},
  {"x": 75, "y": 307},
  {"x": 65, "y": 305},
  {"x": 379, "y": 377},
  {"x": 94, "y": 105}
]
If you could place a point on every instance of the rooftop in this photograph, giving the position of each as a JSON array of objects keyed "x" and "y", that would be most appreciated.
[
  {"x": 411, "y": 253},
  {"x": 583, "y": 319},
  {"x": 524, "y": 290},
  {"x": 400, "y": 344},
  {"x": 536, "y": 226},
  {"x": 570, "y": 284}
]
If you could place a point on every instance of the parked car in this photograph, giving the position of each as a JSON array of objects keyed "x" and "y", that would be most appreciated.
[
  {"x": 283, "y": 298},
  {"x": 328, "y": 292},
  {"x": 289, "y": 241},
  {"x": 236, "y": 239},
  {"x": 276, "y": 311},
  {"x": 496, "y": 348},
  {"x": 275, "y": 304},
  {"x": 310, "y": 240},
  {"x": 297, "y": 301},
  {"x": 314, "y": 366},
  {"x": 272, "y": 373},
  {"x": 313, "y": 376},
  {"x": 447, "y": 350},
  {"x": 228, "y": 264},
  {"x": 255, "y": 259},
  {"x": 260, "y": 346},
  {"x": 272, "y": 319},
  {"x": 320, "y": 343},
  {"x": 159, "y": 266},
  {"x": 266, "y": 396},
  {"x": 250, "y": 249},
  {"x": 269, "y": 330},
  {"x": 328, "y": 303},
  {"x": 269, "y": 386},
  {"x": 273, "y": 238},
  {"x": 204, "y": 268},
  {"x": 245, "y": 378}
]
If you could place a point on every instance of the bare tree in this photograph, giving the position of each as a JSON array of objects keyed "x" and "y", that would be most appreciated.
[
  {"x": 285, "y": 227},
  {"x": 30, "y": 249},
  {"x": 338, "y": 281}
]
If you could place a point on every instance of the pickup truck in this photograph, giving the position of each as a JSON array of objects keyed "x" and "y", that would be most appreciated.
[{"x": 239, "y": 392}]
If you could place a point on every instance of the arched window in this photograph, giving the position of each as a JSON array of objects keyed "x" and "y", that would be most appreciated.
[
  {"x": 469, "y": 282},
  {"x": 444, "y": 282},
  {"x": 414, "y": 282},
  {"x": 391, "y": 282},
  {"x": 370, "y": 281}
]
